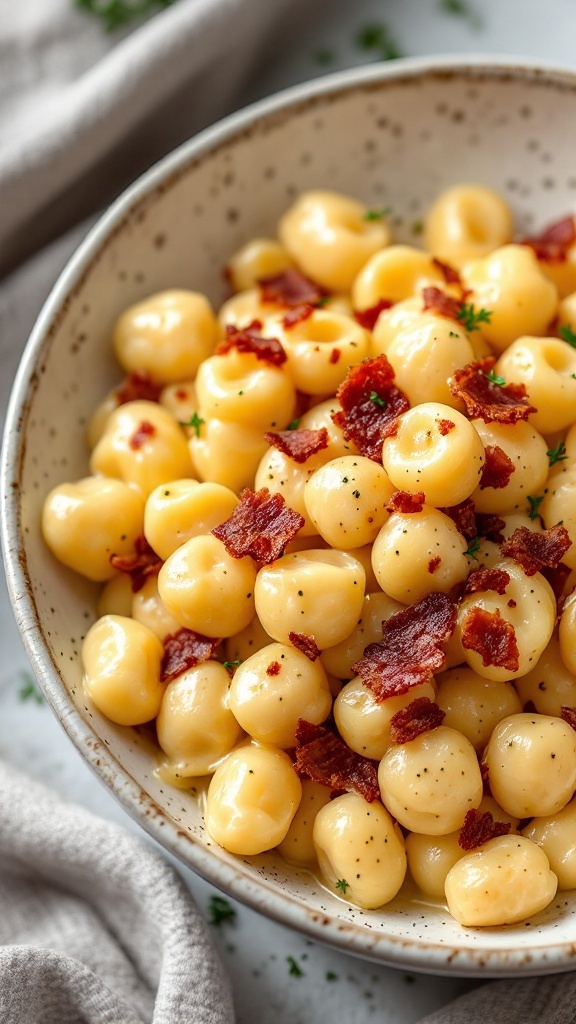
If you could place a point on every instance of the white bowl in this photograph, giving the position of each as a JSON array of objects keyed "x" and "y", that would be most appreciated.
[{"x": 392, "y": 135}]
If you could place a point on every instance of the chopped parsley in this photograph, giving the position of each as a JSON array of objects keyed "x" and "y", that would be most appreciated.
[
  {"x": 417, "y": 227},
  {"x": 295, "y": 970},
  {"x": 30, "y": 689},
  {"x": 342, "y": 885},
  {"x": 377, "y": 38},
  {"x": 221, "y": 911},
  {"x": 115, "y": 13},
  {"x": 293, "y": 425},
  {"x": 232, "y": 664},
  {"x": 495, "y": 379},
  {"x": 567, "y": 334},
  {"x": 557, "y": 454},
  {"x": 470, "y": 317},
  {"x": 473, "y": 549},
  {"x": 330, "y": 976},
  {"x": 375, "y": 397},
  {"x": 377, "y": 214},
  {"x": 195, "y": 422},
  {"x": 324, "y": 57},
  {"x": 534, "y": 504},
  {"x": 461, "y": 9}
]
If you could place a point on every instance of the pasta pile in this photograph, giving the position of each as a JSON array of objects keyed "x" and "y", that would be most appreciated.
[{"x": 335, "y": 526}]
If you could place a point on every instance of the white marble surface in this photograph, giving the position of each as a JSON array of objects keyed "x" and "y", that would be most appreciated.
[{"x": 257, "y": 951}]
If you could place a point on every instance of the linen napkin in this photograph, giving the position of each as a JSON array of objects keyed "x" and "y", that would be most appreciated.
[{"x": 95, "y": 927}]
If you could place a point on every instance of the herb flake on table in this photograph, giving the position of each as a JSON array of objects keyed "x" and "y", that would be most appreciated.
[
  {"x": 115, "y": 13},
  {"x": 294, "y": 969},
  {"x": 221, "y": 911},
  {"x": 377, "y": 40},
  {"x": 30, "y": 691},
  {"x": 462, "y": 9}
]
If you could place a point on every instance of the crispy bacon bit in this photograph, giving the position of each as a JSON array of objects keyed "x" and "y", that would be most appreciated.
[
  {"x": 492, "y": 637},
  {"x": 290, "y": 288},
  {"x": 422, "y": 715},
  {"x": 261, "y": 525},
  {"x": 297, "y": 315},
  {"x": 490, "y": 526},
  {"x": 367, "y": 317},
  {"x": 494, "y": 403},
  {"x": 497, "y": 469},
  {"x": 306, "y": 644},
  {"x": 487, "y": 579},
  {"x": 143, "y": 431},
  {"x": 300, "y": 444},
  {"x": 439, "y": 302},
  {"x": 449, "y": 273},
  {"x": 325, "y": 758},
  {"x": 479, "y": 827},
  {"x": 411, "y": 648},
  {"x": 362, "y": 419},
  {"x": 445, "y": 426},
  {"x": 569, "y": 715},
  {"x": 403, "y": 501},
  {"x": 184, "y": 650},
  {"x": 249, "y": 339},
  {"x": 463, "y": 516},
  {"x": 273, "y": 668},
  {"x": 142, "y": 564},
  {"x": 434, "y": 563},
  {"x": 533, "y": 551},
  {"x": 334, "y": 356},
  {"x": 137, "y": 386},
  {"x": 552, "y": 244}
]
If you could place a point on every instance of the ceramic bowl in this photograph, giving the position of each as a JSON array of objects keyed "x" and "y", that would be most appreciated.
[{"x": 393, "y": 135}]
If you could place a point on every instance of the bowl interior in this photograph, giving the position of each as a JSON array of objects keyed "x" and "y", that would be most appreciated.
[{"x": 392, "y": 137}]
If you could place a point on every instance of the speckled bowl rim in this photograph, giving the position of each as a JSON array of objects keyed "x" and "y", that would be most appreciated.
[{"x": 429, "y": 957}]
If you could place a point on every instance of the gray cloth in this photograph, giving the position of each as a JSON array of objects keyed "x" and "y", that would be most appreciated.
[
  {"x": 550, "y": 1000},
  {"x": 95, "y": 927}
]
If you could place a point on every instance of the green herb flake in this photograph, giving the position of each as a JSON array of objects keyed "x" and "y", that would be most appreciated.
[
  {"x": 557, "y": 454},
  {"x": 30, "y": 691},
  {"x": 231, "y": 664},
  {"x": 342, "y": 885},
  {"x": 567, "y": 334},
  {"x": 294, "y": 970},
  {"x": 324, "y": 57},
  {"x": 417, "y": 227},
  {"x": 375, "y": 397},
  {"x": 377, "y": 214},
  {"x": 221, "y": 911},
  {"x": 495, "y": 379},
  {"x": 331, "y": 976},
  {"x": 378, "y": 38},
  {"x": 534, "y": 504},
  {"x": 461, "y": 9},
  {"x": 470, "y": 317},
  {"x": 293, "y": 425},
  {"x": 473, "y": 549},
  {"x": 115, "y": 13},
  {"x": 195, "y": 422}
]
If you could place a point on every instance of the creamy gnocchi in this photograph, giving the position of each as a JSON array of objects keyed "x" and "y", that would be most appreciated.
[{"x": 334, "y": 526}]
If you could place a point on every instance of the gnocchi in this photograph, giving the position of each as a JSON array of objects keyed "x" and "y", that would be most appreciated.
[{"x": 406, "y": 434}]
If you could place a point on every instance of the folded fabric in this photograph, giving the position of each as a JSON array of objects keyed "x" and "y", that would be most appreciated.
[
  {"x": 549, "y": 1000},
  {"x": 94, "y": 925},
  {"x": 82, "y": 113}
]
